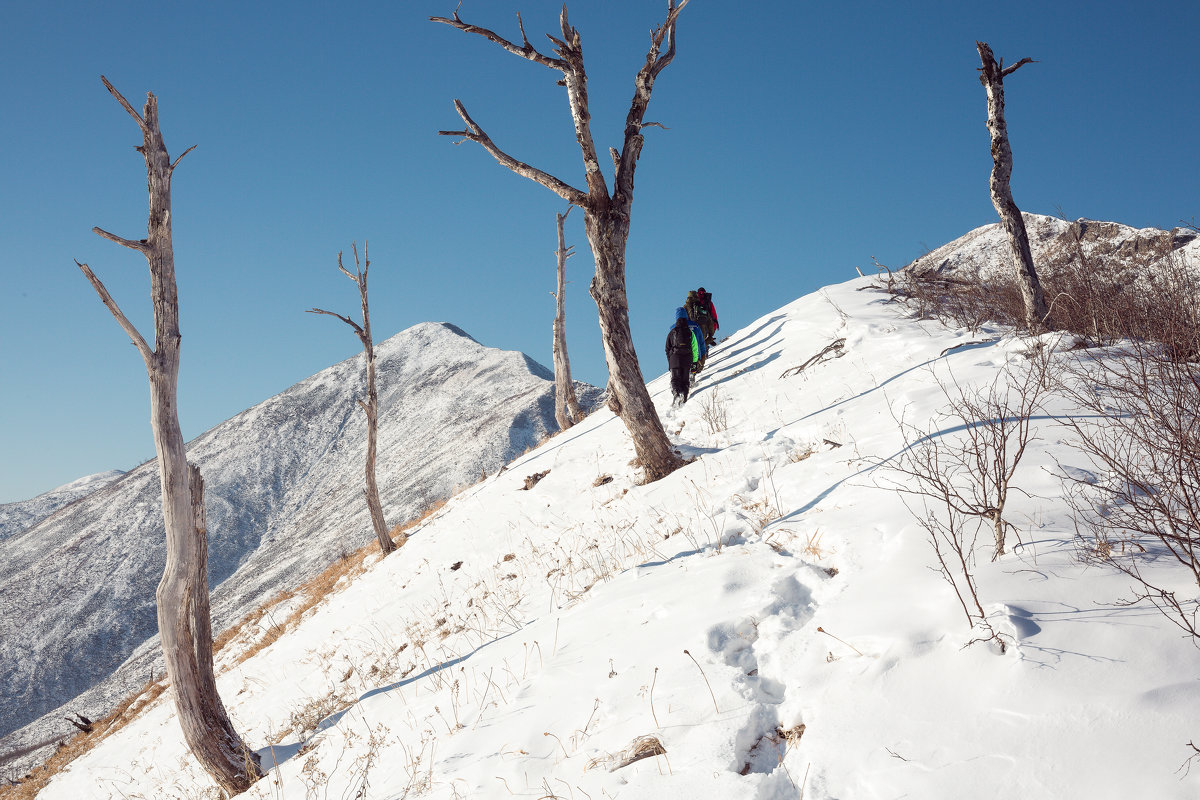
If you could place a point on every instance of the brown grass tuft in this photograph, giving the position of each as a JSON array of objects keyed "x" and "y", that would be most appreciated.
[
  {"x": 72, "y": 747},
  {"x": 311, "y": 594}
]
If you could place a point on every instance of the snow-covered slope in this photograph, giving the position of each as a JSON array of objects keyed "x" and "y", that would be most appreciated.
[
  {"x": 24, "y": 514},
  {"x": 1115, "y": 248},
  {"x": 767, "y": 616},
  {"x": 284, "y": 498}
]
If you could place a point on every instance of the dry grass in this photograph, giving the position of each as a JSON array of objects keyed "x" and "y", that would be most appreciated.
[
  {"x": 1102, "y": 296},
  {"x": 639, "y": 748},
  {"x": 75, "y": 746},
  {"x": 311, "y": 594}
]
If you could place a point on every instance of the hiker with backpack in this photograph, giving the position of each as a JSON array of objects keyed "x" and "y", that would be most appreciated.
[
  {"x": 686, "y": 351},
  {"x": 701, "y": 310}
]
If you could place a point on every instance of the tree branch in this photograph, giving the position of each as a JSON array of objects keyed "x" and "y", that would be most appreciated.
[
  {"x": 476, "y": 134},
  {"x": 181, "y": 155},
  {"x": 122, "y": 320},
  {"x": 528, "y": 52},
  {"x": 1006, "y": 71},
  {"x": 357, "y": 328},
  {"x": 524, "y": 38},
  {"x": 125, "y": 103},
  {"x": 643, "y": 86},
  {"x": 669, "y": 27},
  {"x": 141, "y": 245}
]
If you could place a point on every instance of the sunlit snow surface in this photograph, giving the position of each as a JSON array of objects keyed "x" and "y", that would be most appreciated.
[
  {"x": 561, "y": 638},
  {"x": 284, "y": 483}
]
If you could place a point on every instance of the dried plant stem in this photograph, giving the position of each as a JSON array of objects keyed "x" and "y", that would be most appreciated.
[
  {"x": 560, "y": 744},
  {"x": 652, "y": 682},
  {"x": 706, "y": 683},
  {"x": 843, "y": 641}
]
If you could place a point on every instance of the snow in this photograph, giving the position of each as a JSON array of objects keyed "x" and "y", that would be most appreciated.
[
  {"x": 287, "y": 471},
  {"x": 777, "y": 581},
  {"x": 24, "y": 514}
]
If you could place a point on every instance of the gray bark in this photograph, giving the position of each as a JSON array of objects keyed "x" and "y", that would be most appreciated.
[
  {"x": 606, "y": 216},
  {"x": 371, "y": 407},
  {"x": 566, "y": 405},
  {"x": 992, "y": 76},
  {"x": 183, "y": 601}
]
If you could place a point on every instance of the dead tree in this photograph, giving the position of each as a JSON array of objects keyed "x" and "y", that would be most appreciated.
[
  {"x": 992, "y": 76},
  {"x": 183, "y": 604},
  {"x": 566, "y": 405},
  {"x": 606, "y": 216},
  {"x": 371, "y": 407}
]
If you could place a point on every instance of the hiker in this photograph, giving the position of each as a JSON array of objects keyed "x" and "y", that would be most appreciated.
[
  {"x": 685, "y": 351},
  {"x": 701, "y": 310}
]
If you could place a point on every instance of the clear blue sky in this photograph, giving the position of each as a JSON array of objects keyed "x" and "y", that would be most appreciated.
[{"x": 804, "y": 139}]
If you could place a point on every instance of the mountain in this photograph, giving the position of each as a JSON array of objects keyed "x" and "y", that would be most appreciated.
[
  {"x": 766, "y": 622},
  {"x": 1110, "y": 247},
  {"x": 284, "y": 499},
  {"x": 16, "y": 517}
]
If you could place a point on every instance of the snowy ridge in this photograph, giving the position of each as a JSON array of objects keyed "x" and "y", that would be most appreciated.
[
  {"x": 284, "y": 498},
  {"x": 767, "y": 614},
  {"x": 985, "y": 252},
  {"x": 16, "y": 517}
]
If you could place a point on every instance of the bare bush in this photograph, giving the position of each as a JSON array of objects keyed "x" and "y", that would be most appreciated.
[
  {"x": 1103, "y": 292},
  {"x": 962, "y": 472},
  {"x": 1143, "y": 435},
  {"x": 715, "y": 412},
  {"x": 957, "y": 301}
]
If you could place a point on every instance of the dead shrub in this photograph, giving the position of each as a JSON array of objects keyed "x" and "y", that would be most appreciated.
[
  {"x": 715, "y": 412},
  {"x": 1141, "y": 431},
  {"x": 1103, "y": 293},
  {"x": 962, "y": 473}
]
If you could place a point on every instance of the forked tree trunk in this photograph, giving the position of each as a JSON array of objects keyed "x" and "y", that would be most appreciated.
[
  {"x": 183, "y": 601},
  {"x": 606, "y": 216},
  {"x": 654, "y": 451},
  {"x": 566, "y": 405},
  {"x": 371, "y": 407},
  {"x": 992, "y": 75}
]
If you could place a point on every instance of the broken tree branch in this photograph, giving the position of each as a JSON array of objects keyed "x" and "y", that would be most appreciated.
[
  {"x": 122, "y": 320},
  {"x": 528, "y": 51},
  {"x": 141, "y": 245},
  {"x": 477, "y": 134}
]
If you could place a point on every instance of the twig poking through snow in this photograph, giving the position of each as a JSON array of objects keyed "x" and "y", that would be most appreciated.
[
  {"x": 706, "y": 683},
  {"x": 843, "y": 641}
]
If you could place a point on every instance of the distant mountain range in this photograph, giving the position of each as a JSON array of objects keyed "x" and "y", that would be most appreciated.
[{"x": 79, "y": 565}]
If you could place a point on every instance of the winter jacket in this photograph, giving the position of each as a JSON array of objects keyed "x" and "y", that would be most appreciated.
[
  {"x": 705, "y": 300},
  {"x": 680, "y": 343},
  {"x": 698, "y": 347}
]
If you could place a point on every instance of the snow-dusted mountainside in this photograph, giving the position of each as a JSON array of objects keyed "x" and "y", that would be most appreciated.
[
  {"x": 985, "y": 251},
  {"x": 764, "y": 623},
  {"x": 284, "y": 499},
  {"x": 16, "y": 517}
]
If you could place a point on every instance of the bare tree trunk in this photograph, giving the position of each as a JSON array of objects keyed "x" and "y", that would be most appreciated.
[
  {"x": 606, "y": 217},
  {"x": 566, "y": 405},
  {"x": 183, "y": 602},
  {"x": 371, "y": 407},
  {"x": 992, "y": 76}
]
